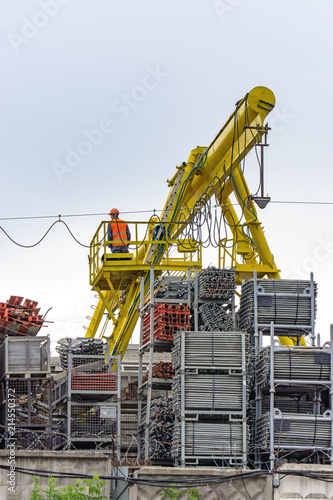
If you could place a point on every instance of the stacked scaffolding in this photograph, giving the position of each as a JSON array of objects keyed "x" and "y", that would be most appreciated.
[
  {"x": 161, "y": 423},
  {"x": 294, "y": 417},
  {"x": 214, "y": 283},
  {"x": 26, "y": 404},
  {"x": 85, "y": 346},
  {"x": 290, "y": 417},
  {"x": 213, "y": 300},
  {"x": 210, "y": 399},
  {"x": 289, "y": 304},
  {"x": 167, "y": 311},
  {"x": 91, "y": 391},
  {"x": 168, "y": 319}
]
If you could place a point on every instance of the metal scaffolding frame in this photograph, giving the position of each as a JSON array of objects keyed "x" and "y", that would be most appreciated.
[
  {"x": 26, "y": 380},
  {"x": 144, "y": 413},
  {"x": 93, "y": 400},
  {"x": 281, "y": 432},
  {"x": 210, "y": 400}
]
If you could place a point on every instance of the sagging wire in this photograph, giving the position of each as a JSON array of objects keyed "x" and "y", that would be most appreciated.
[
  {"x": 47, "y": 232},
  {"x": 201, "y": 215}
]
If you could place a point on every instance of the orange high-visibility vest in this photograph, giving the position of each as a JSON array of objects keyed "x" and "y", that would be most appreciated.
[{"x": 118, "y": 230}]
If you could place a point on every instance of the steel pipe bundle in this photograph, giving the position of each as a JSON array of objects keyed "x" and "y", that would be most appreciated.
[
  {"x": 160, "y": 430},
  {"x": 208, "y": 349},
  {"x": 284, "y": 302},
  {"x": 300, "y": 431},
  {"x": 168, "y": 319},
  {"x": 213, "y": 317},
  {"x": 203, "y": 439},
  {"x": 290, "y": 405},
  {"x": 160, "y": 440},
  {"x": 163, "y": 369},
  {"x": 208, "y": 392},
  {"x": 216, "y": 283},
  {"x": 292, "y": 363},
  {"x": 83, "y": 346}
]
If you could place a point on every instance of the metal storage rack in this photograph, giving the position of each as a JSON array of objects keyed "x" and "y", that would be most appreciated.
[
  {"x": 28, "y": 356},
  {"x": 210, "y": 399},
  {"x": 289, "y": 304},
  {"x": 129, "y": 410},
  {"x": 174, "y": 291},
  {"x": 285, "y": 430},
  {"x": 26, "y": 379},
  {"x": 288, "y": 381},
  {"x": 93, "y": 401},
  {"x": 214, "y": 300}
]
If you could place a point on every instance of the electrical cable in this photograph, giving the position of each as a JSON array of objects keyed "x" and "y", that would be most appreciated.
[
  {"x": 44, "y": 236},
  {"x": 180, "y": 483}
]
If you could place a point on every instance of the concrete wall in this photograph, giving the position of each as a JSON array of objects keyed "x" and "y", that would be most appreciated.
[
  {"x": 258, "y": 488},
  {"x": 297, "y": 487},
  {"x": 288, "y": 487},
  {"x": 61, "y": 461}
]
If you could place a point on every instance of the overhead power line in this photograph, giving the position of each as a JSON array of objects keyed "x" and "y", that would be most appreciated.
[
  {"x": 102, "y": 214},
  {"x": 58, "y": 216}
]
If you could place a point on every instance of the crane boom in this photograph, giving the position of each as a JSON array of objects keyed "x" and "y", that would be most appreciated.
[{"x": 213, "y": 170}]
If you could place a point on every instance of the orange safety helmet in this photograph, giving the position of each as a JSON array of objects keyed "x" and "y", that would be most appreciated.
[{"x": 114, "y": 211}]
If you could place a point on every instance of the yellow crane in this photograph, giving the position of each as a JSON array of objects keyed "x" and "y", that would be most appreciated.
[{"x": 213, "y": 170}]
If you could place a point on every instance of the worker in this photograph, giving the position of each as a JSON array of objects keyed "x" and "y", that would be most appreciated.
[{"x": 118, "y": 233}]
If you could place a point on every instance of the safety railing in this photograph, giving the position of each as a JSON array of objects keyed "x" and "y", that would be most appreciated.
[{"x": 150, "y": 245}]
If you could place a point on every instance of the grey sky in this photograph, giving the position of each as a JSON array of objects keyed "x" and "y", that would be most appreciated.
[{"x": 157, "y": 79}]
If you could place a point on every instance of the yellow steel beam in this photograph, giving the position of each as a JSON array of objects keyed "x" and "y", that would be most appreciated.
[{"x": 98, "y": 314}]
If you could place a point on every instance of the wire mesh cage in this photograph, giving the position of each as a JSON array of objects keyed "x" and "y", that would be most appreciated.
[
  {"x": 32, "y": 401},
  {"x": 93, "y": 421}
]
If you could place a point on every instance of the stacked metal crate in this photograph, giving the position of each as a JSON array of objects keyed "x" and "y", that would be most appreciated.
[
  {"x": 93, "y": 395},
  {"x": 290, "y": 416},
  {"x": 168, "y": 319},
  {"x": 167, "y": 312},
  {"x": 213, "y": 300},
  {"x": 289, "y": 304},
  {"x": 295, "y": 418},
  {"x": 210, "y": 399},
  {"x": 26, "y": 406}
]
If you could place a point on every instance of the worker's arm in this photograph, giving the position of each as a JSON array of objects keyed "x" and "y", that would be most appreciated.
[
  {"x": 128, "y": 233},
  {"x": 110, "y": 238}
]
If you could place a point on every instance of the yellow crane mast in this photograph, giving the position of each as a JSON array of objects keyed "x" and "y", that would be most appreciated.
[{"x": 213, "y": 170}]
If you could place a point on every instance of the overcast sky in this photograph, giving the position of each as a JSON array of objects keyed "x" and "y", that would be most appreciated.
[{"x": 101, "y": 100}]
